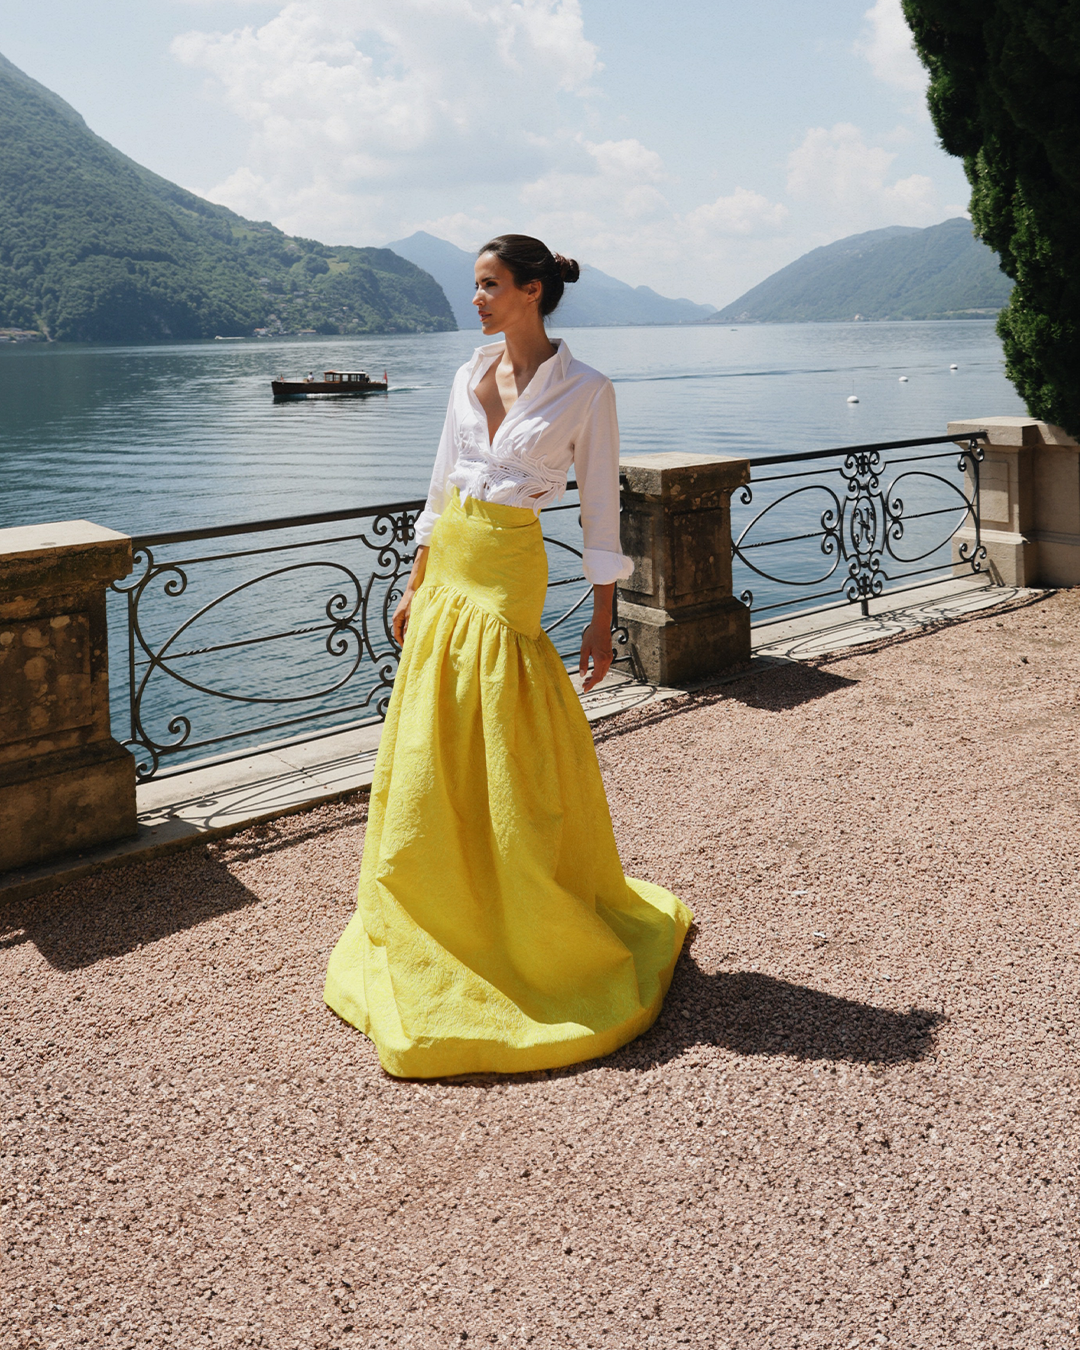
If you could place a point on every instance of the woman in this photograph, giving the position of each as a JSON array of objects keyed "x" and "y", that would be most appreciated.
[{"x": 495, "y": 930}]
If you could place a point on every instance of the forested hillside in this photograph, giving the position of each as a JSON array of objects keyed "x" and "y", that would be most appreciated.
[
  {"x": 942, "y": 272},
  {"x": 93, "y": 247}
]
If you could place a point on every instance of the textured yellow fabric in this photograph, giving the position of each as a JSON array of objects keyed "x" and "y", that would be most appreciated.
[{"x": 494, "y": 929}]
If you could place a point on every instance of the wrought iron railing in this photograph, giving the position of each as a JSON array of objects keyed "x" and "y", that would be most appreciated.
[
  {"x": 844, "y": 525},
  {"x": 284, "y": 637}
]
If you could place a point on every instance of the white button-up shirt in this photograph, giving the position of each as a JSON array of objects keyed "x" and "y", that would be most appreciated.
[{"x": 566, "y": 416}]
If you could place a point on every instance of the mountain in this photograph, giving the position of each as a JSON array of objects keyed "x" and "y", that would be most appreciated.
[
  {"x": 942, "y": 272},
  {"x": 93, "y": 247},
  {"x": 594, "y": 301}
]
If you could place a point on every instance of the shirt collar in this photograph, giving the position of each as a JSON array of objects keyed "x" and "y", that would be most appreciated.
[{"x": 556, "y": 365}]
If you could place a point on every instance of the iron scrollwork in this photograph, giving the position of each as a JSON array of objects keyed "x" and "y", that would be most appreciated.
[
  {"x": 353, "y": 622},
  {"x": 860, "y": 526},
  {"x": 351, "y": 610}
]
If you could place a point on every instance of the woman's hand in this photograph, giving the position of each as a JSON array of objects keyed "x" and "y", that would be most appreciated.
[
  {"x": 399, "y": 624},
  {"x": 596, "y": 647},
  {"x": 596, "y": 640}
]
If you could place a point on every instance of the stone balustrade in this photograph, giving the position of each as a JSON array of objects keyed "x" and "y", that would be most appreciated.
[
  {"x": 1029, "y": 509},
  {"x": 684, "y": 624},
  {"x": 65, "y": 784}
]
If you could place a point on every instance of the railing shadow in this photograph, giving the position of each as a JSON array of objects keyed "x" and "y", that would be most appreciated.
[{"x": 785, "y": 687}]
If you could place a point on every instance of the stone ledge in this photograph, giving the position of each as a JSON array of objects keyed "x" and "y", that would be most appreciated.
[
  {"x": 1017, "y": 432},
  {"x": 175, "y": 814},
  {"x": 674, "y": 476},
  {"x": 65, "y": 555}
]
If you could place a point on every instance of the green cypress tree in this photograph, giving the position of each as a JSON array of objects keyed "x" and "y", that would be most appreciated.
[{"x": 1005, "y": 96}]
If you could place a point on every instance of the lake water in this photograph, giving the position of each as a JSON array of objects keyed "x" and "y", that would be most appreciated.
[
  {"x": 147, "y": 439},
  {"x": 173, "y": 437}
]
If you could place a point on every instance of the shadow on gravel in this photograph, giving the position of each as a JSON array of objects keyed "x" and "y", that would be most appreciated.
[
  {"x": 755, "y": 1014},
  {"x": 773, "y": 689},
  {"x": 789, "y": 686},
  {"x": 118, "y": 911}
]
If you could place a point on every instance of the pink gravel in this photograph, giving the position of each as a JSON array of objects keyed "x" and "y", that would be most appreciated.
[{"x": 855, "y": 1124}]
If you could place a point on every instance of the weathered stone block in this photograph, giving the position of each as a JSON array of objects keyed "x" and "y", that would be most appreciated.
[
  {"x": 44, "y": 676},
  {"x": 1030, "y": 502},
  {"x": 65, "y": 803},
  {"x": 677, "y": 649},
  {"x": 677, "y": 604},
  {"x": 65, "y": 784}
]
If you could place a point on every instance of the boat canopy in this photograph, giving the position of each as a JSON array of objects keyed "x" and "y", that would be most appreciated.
[{"x": 345, "y": 376}]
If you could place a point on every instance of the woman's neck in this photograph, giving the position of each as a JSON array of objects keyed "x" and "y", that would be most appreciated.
[{"x": 527, "y": 350}]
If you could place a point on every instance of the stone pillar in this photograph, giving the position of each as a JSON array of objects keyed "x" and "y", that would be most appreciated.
[
  {"x": 683, "y": 621},
  {"x": 1029, "y": 489},
  {"x": 65, "y": 784}
]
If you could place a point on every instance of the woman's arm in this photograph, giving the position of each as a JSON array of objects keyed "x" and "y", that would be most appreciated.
[
  {"x": 425, "y": 522},
  {"x": 445, "y": 458},
  {"x": 400, "y": 622},
  {"x": 596, "y": 468},
  {"x": 596, "y": 465},
  {"x": 596, "y": 640}
]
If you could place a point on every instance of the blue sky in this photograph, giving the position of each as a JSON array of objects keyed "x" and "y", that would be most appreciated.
[{"x": 694, "y": 147}]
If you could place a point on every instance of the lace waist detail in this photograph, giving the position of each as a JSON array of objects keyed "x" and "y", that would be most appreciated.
[
  {"x": 513, "y": 483},
  {"x": 506, "y": 485}
]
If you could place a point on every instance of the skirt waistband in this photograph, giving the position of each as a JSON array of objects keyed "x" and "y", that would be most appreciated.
[
  {"x": 494, "y": 556},
  {"x": 495, "y": 513}
]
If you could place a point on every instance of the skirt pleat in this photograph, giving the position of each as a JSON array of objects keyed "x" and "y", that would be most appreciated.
[{"x": 494, "y": 930}]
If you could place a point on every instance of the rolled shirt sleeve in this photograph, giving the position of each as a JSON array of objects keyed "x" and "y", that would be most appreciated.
[
  {"x": 445, "y": 458},
  {"x": 596, "y": 467}
]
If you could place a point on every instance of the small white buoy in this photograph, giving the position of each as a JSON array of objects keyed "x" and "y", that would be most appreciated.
[
  {"x": 903, "y": 379},
  {"x": 954, "y": 366},
  {"x": 853, "y": 398}
]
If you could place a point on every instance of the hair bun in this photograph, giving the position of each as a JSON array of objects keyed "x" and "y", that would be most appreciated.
[{"x": 567, "y": 267}]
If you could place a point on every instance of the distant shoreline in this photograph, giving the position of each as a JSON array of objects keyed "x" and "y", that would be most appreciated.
[{"x": 278, "y": 339}]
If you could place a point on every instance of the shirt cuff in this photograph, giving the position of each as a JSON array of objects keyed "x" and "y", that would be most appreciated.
[
  {"x": 425, "y": 524},
  {"x": 602, "y": 568}
]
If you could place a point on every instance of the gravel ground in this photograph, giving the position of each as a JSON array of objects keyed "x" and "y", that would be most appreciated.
[{"x": 853, "y": 1126}]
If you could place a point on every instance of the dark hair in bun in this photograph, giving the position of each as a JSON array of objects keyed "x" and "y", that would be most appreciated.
[{"x": 528, "y": 259}]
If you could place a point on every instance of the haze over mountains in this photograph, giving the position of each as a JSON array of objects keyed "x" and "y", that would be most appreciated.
[
  {"x": 93, "y": 247},
  {"x": 941, "y": 272},
  {"x": 594, "y": 301}
]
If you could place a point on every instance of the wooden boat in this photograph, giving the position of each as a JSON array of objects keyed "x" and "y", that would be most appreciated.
[{"x": 334, "y": 384}]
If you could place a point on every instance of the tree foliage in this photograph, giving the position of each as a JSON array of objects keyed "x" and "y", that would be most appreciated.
[
  {"x": 1005, "y": 96},
  {"x": 93, "y": 247}
]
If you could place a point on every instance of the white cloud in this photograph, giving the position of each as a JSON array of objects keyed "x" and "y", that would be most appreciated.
[
  {"x": 844, "y": 179},
  {"x": 460, "y": 117},
  {"x": 610, "y": 177},
  {"x": 469, "y": 229},
  {"x": 886, "y": 43},
  {"x": 610, "y": 208},
  {"x": 349, "y": 98},
  {"x": 368, "y": 120},
  {"x": 742, "y": 213}
]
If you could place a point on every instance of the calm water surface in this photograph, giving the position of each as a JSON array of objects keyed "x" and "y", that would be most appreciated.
[{"x": 145, "y": 439}]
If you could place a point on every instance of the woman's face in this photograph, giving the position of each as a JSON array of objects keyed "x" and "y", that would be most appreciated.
[{"x": 502, "y": 305}]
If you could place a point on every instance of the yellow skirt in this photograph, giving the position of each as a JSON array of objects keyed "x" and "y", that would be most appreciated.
[{"x": 494, "y": 930}]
